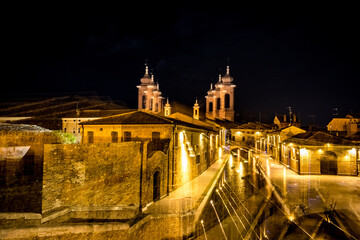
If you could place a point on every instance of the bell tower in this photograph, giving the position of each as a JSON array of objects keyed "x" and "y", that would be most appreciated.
[
  {"x": 220, "y": 100},
  {"x": 149, "y": 95},
  {"x": 167, "y": 108},
  {"x": 196, "y": 109}
]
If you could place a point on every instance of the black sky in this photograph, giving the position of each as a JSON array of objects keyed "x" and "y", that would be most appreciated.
[{"x": 298, "y": 56}]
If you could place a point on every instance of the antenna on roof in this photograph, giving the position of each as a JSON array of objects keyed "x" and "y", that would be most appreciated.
[{"x": 290, "y": 114}]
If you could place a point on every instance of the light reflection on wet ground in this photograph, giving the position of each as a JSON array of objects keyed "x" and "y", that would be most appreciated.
[{"x": 246, "y": 190}]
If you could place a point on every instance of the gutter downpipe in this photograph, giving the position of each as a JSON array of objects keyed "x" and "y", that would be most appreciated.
[
  {"x": 141, "y": 174},
  {"x": 173, "y": 159}
]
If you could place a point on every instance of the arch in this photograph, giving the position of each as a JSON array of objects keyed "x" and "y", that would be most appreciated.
[
  {"x": 211, "y": 106},
  {"x": 218, "y": 102},
  {"x": 156, "y": 185},
  {"x": 328, "y": 163}
]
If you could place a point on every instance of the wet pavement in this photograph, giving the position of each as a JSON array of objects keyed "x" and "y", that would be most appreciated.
[{"x": 305, "y": 195}]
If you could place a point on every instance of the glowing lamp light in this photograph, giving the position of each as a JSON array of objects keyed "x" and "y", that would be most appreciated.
[
  {"x": 320, "y": 151},
  {"x": 303, "y": 151},
  {"x": 353, "y": 151},
  {"x": 181, "y": 137},
  {"x": 291, "y": 218}
]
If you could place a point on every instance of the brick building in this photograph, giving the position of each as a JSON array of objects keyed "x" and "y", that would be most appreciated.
[
  {"x": 187, "y": 146},
  {"x": 320, "y": 153}
]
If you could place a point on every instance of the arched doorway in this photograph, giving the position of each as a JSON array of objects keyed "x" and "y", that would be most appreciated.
[
  {"x": 328, "y": 163},
  {"x": 156, "y": 186}
]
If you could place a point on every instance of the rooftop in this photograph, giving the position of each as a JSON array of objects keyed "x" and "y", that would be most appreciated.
[{"x": 318, "y": 138}]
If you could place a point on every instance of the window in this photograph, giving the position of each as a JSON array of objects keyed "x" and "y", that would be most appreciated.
[
  {"x": 64, "y": 129},
  {"x": 211, "y": 106},
  {"x": 155, "y": 136},
  {"x": 78, "y": 130},
  {"x": 90, "y": 137},
  {"x": 114, "y": 137},
  {"x": 74, "y": 130},
  {"x": 197, "y": 159},
  {"x": 156, "y": 107},
  {"x": 196, "y": 112},
  {"x": 151, "y": 104},
  {"x": 218, "y": 102},
  {"x": 127, "y": 136},
  {"x": 227, "y": 100},
  {"x": 144, "y": 101}
]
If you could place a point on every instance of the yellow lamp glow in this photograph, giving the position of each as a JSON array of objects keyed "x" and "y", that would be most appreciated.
[
  {"x": 352, "y": 151},
  {"x": 181, "y": 137}
]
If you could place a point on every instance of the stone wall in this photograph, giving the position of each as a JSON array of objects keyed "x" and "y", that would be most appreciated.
[
  {"x": 21, "y": 178},
  {"x": 91, "y": 175},
  {"x": 157, "y": 162}
]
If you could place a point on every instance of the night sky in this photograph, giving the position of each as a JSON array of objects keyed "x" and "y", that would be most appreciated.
[{"x": 299, "y": 56}]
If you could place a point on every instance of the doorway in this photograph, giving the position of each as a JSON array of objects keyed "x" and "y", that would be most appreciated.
[
  {"x": 328, "y": 163},
  {"x": 156, "y": 186}
]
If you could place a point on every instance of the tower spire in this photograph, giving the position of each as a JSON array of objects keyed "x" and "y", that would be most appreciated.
[
  {"x": 196, "y": 110},
  {"x": 167, "y": 108}
]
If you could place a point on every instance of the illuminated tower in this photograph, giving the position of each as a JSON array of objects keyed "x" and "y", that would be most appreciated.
[
  {"x": 196, "y": 110},
  {"x": 149, "y": 96},
  {"x": 167, "y": 108},
  {"x": 220, "y": 100}
]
